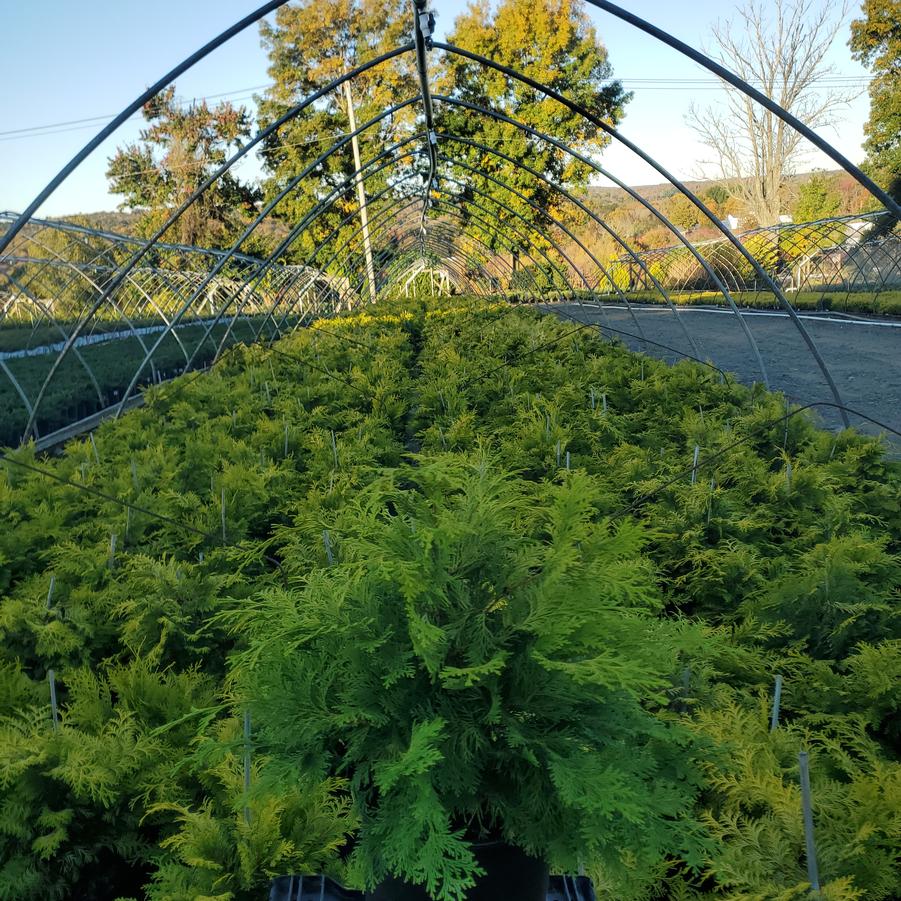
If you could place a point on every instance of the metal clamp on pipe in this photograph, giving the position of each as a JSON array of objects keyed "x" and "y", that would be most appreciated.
[
  {"x": 426, "y": 24},
  {"x": 423, "y": 26}
]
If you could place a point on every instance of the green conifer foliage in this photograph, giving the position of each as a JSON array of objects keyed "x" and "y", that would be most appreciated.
[
  {"x": 546, "y": 621},
  {"x": 484, "y": 653}
]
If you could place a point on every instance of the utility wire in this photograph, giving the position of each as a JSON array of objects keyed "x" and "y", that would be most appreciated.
[
  {"x": 658, "y": 83},
  {"x": 96, "y": 119}
]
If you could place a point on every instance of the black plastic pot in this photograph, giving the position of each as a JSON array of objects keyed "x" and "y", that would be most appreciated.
[
  {"x": 509, "y": 874},
  {"x": 320, "y": 888}
]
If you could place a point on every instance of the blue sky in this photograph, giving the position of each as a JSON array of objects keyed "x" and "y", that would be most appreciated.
[{"x": 68, "y": 61}]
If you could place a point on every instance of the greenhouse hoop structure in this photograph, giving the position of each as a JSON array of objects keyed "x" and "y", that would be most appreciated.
[
  {"x": 471, "y": 520},
  {"x": 70, "y": 295}
]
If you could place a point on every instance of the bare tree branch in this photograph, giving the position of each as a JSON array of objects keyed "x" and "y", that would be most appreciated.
[{"x": 778, "y": 46}]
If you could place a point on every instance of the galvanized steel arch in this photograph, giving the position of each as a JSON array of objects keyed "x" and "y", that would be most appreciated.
[{"x": 133, "y": 288}]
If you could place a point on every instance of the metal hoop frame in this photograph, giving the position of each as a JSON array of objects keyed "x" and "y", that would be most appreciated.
[{"x": 133, "y": 279}]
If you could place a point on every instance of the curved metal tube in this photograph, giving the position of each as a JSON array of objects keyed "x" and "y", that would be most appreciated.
[
  {"x": 597, "y": 121},
  {"x": 636, "y": 196},
  {"x": 263, "y": 214},
  {"x": 402, "y": 254},
  {"x": 409, "y": 204},
  {"x": 242, "y": 152},
  {"x": 647, "y": 204},
  {"x": 736, "y": 82},
  {"x": 593, "y": 216},
  {"x": 456, "y": 214},
  {"x": 423, "y": 42},
  {"x": 490, "y": 226},
  {"x": 132, "y": 108},
  {"x": 564, "y": 229},
  {"x": 325, "y": 204},
  {"x": 396, "y": 255}
]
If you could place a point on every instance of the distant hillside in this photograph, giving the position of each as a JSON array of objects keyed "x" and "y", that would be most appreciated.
[
  {"x": 267, "y": 235},
  {"x": 613, "y": 196},
  {"x": 109, "y": 221},
  {"x": 812, "y": 196}
]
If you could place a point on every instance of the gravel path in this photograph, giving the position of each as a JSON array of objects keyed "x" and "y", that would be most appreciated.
[{"x": 863, "y": 355}]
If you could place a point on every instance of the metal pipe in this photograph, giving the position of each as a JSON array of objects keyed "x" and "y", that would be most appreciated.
[
  {"x": 423, "y": 25},
  {"x": 456, "y": 213},
  {"x": 267, "y": 209},
  {"x": 238, "y": 155},
  {"x": 736, "y": 82},
  {"x": 635, "y": 195},
  {"x": 490, "y": 227},
  {"x": 129, "y": 110},
  {"x": 685, "y": 191},
  {"x": 408, "y": 204}
]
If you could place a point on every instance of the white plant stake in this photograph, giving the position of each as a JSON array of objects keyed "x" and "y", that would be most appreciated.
[
  {"x": 51, "y": 678},
  {"x": 694, "y": 465},
  {"x": 94, "y": 446},
  {"x": 777, "y": 700},
  {"x": 813, "y": 876},
  {"x": 112, "y": 551},
  {"x": 567, "y": 461},
  {"x": 246, "y": 765},
  {"x": 558, "y": 453},
  {"x": 604, "y": 402},
  {"x": 591, "y": 394},
  {"x": 134, "y": 474},
  {"x": 50, "y": 591}
]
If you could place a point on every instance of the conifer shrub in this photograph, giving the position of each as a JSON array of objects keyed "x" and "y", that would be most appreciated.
[{"x": 484, "y": 657}]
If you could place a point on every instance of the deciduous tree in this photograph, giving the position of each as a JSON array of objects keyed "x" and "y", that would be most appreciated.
[
  {"x": 817, "y": 199},
  {"x": 779, "y": 48},
  {"x": 876, "y": 42},
  {"x": 553, "y": 42},
  {"x": 310, "y": 44}
]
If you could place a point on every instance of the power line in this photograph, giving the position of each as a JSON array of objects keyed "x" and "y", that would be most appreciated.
[
  {"x": 93, "y": 120},
  {"x": 655, "y": 83},
  {"x": 828, "y": 79}
]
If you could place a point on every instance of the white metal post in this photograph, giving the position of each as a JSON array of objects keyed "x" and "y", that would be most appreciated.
[{"x": 361, "y": 192}]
